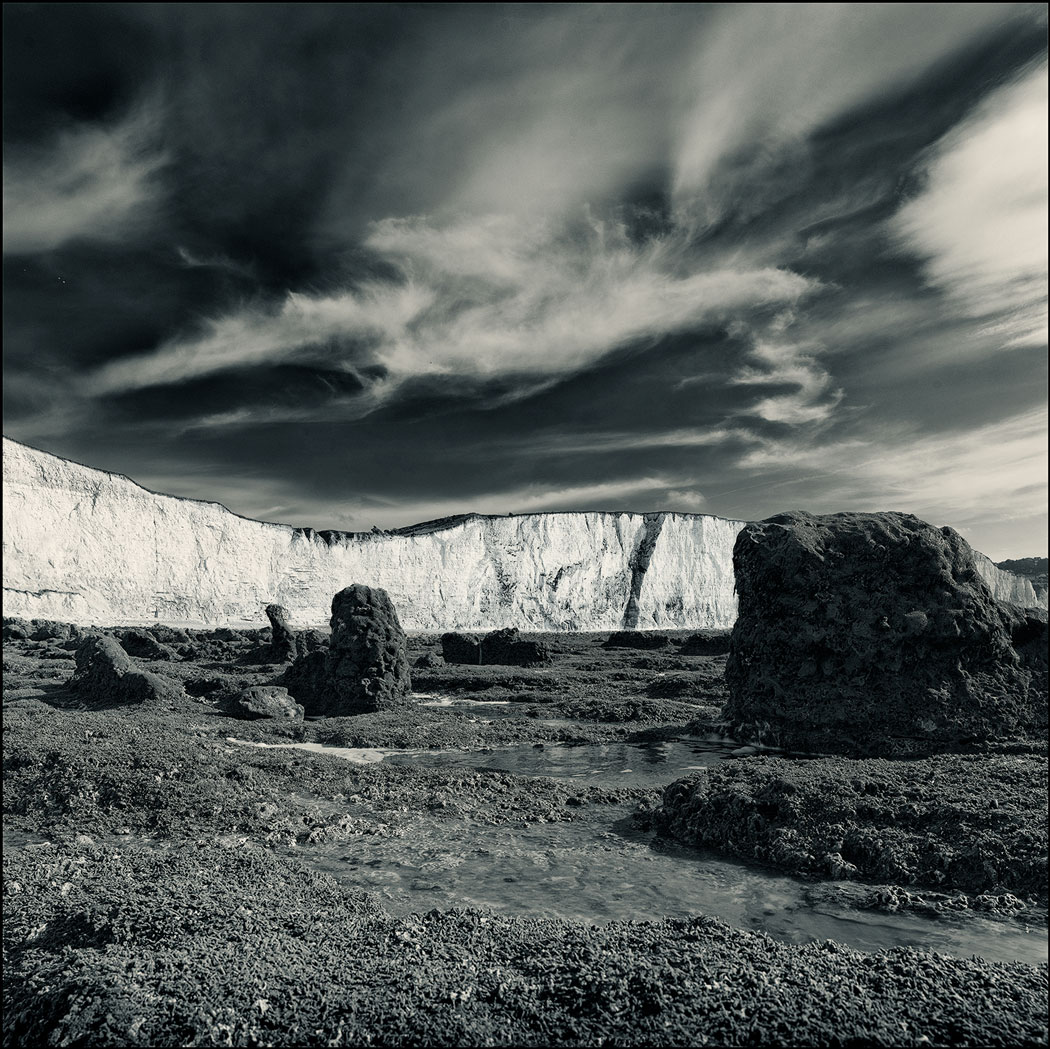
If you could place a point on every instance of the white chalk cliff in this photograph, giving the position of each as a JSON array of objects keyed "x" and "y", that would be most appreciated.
[{"x": 85, "y": 546}]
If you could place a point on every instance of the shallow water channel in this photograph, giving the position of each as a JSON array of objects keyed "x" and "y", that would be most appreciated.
[{"x": 599, "y": 867}]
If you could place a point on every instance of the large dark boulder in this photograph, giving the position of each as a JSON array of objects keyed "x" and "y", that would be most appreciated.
[
  {"x": 870, "y": 634},
  {"x": 263, "y": 701},
  {"x": 16, "y": 629},
  {"x": 461, "y": 649},
  {"x": 282, "y": 637},
  {"x": 367, "y": 663},
  {"x": 506, "y": 648},
  {"x": 105, "y": 676}
]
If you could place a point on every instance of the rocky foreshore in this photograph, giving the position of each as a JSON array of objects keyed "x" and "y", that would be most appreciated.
[{"x": 159, "y": 889}]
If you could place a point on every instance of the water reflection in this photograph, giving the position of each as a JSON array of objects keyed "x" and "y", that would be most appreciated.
[{"x": 614, "y": 764}]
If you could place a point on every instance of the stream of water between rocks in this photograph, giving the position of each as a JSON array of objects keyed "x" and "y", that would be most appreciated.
[{"x": 600, "y": 867}]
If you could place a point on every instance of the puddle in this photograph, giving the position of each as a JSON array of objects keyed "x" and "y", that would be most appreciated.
[{"x": 614, "y": 764}]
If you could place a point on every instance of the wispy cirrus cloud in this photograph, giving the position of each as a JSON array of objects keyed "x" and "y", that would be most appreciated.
[
  {"x": 770, "y": 73},
  {"x": 91, "y": 181},
  {"x": 479, "y": 299},
  {"x": 775, "y": 363},
  {"x": 629, "y": 493},
  {"x": 981, "y": 220}
]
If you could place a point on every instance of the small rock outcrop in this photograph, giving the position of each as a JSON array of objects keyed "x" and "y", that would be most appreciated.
[
  {"x": 365, "y": 667},
  {"x": 464, "y": 649},
  {"x": 143, "y": 645},
  {"x": 283, "y": 648},
  {"x": 870, "y": 634},
  {"x": 15, "y": 629},
  {"x": 643, "y": 639},
  {"x": 106, "y": 676},
  {"x": 263, "y": 701},
  {"x": 506, "y": 648},
  {"x": 500, "y": 648},
  {"x": 706, "y": 643}
]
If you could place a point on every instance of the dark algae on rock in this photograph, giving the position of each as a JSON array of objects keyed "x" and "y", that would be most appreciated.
[
  {"x": 871, "y": 634},
  {"x": 106, "y": 676},
  {"x": 365, "y": 666},
  {"x": 976, "y": 823}
]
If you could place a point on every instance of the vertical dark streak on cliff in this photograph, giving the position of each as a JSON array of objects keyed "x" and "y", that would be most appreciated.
[{"x": 640, "y": 558}]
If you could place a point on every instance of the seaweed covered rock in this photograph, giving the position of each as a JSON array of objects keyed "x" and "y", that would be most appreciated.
[
  {"x": 143, "y": 645},
  {"x": 105, "y": 676},
  {"x": 1029, "y": 636},
  {"x": 367, "y": 663},
  {"x": 870, "y": 634},
  {"x": 644, "y": 639},
  {"x": 282, "y": 638},
  {"x": 307, "y": 680},
  {"x": 38, "y": 630},
  {"x": 263, "y": 701},
  {"x": 506, "y": 648},
  {"x": 169, "y": 635},
  {"x": 969, "y": 822},
  {"x": 15, "y": 629},
  {"x": 706, "y": 643},
  {"x": 311, "y": 641},
  {"x": 460, "y": 648}
]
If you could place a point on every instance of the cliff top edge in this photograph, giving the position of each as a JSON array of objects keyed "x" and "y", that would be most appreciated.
[{"x": 330, "y": 535}]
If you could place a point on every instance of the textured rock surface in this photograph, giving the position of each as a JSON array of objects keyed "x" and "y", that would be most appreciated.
[
  {"x": 367, "y": 663},
  {"x": 706, "y": 643},
  {"x": 105, "y": 676},
  {"x": 264, "y": 701},
  {"x": 507, "y": 648},
  {"x": 870, "y": 633},
  {"x": 143, "y": 645},
  {"x": 462, "y": 649},
  {"x": 631, "y": 639},
  {"x": 282, "y": 644}
]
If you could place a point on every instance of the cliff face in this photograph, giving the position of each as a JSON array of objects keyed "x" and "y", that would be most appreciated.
[
  {"x": 1007, "y": 586},
  {"x": 85, "y": 546}
]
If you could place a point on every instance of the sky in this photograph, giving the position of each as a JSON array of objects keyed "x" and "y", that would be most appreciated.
[{"x": 351, "y": 265}]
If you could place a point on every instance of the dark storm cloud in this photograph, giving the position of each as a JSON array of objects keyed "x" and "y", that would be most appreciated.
[{"x": 366, "y": 264}]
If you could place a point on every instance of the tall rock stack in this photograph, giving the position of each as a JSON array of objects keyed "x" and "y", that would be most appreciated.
[
  {"x": 870, "y": 634},
  {"x": 367, "y": 663},
  {"x": 283, "y": 648}
]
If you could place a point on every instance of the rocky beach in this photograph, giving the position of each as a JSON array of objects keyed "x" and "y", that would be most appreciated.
[{"x": 466, "y": 866}]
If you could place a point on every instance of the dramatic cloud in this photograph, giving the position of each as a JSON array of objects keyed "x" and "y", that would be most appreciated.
[
  {"x": 90, "y": 181},
  {"x": 347, "y": 265},
  {"x": 767, "y": 74},
  {"x": 490, "y": 298},
  {"x": 981, "y": 221}
]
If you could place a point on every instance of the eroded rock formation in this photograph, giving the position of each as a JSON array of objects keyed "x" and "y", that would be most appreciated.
[
  {"x": 367, "y": 660},
  {"x": 365, "y": 666},
  {"x": 872, "y": 634},
  {"x": 264, "y": 702},
  {"x": 105, "y": 676},
  {"x": 283, "y": 648}
]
